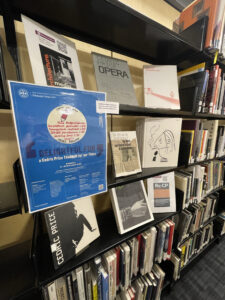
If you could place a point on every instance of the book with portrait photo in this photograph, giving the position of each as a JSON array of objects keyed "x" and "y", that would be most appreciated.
[
  {"x": 161, "y": 193},
  {"x": 131, "y": 207},
  {"x": 71, "y": 228}
]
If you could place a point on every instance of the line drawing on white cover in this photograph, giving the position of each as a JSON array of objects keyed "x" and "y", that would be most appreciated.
[{"x": 162, "y": 142}]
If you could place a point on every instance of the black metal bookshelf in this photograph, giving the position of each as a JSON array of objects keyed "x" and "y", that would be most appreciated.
[
  {"x": 114, "y": 26},
  {"x": 130, "y": 110},
  {"x": 149, "y": 172}
]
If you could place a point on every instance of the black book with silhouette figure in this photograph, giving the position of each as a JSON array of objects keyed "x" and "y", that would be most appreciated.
[{"x": 71, "y": 228}]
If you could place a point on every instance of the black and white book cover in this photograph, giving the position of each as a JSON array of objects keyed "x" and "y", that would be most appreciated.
[
  {"x": 159, "y": 141},
  {"x": 113, "y": 77},
  {"x": 71, "y": 228},
  {"x": 125, "y": 153},
  {"x": 53, "y": 57},
  {"x": 131, "y": 206}
]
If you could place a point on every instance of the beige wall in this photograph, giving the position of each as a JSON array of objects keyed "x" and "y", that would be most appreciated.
[{"x": 18, "y": 228}]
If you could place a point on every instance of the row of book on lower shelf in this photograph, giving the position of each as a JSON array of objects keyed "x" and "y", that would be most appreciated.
[
  {"x": 136, "y": 269},
  {"x": 195, "y": 243},
  {"x": 125, "y": 272}
]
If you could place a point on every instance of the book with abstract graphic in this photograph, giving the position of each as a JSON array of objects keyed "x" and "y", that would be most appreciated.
[
  {"x": 113, "y": 77},
  {"x": 125, "y": 153},
  {"x": 161, "y": 193},
  {"x": 159, "y": 141},
  {"x": 161, "y": 87},
  {"x": 71, "y": 228},
  {"x": 130, "y": 205}
]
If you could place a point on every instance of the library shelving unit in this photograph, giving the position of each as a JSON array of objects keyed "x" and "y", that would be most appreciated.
[{"x": 116, "y": 27}]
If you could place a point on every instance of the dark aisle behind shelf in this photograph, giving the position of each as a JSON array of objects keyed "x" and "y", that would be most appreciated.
[{"x": 205, "y": 280}]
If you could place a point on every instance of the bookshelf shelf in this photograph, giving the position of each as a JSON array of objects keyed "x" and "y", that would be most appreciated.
[
  {"x": 108, "y": 239},
  {"x": 110, "y": 24},
  {"x": 147, "y": 173},
  {"x": 149, "y": 112}
]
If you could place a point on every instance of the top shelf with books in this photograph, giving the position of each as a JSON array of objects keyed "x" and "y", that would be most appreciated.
[{"x": 110, "y": 24}]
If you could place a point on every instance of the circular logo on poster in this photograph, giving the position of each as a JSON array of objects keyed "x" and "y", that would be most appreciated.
[
  {"x": 66, "y": 124},
  {"x": 23, "y": 93}
]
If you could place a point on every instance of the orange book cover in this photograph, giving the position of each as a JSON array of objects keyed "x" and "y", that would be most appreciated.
[
  {"x": 197, "y": 10},
  {"x": 214, "y": 101},
  {"x": 202, "y": 143}
]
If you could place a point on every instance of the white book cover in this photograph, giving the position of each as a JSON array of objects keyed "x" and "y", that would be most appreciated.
[
  {"x": 161, "y": 193},
  {"x": 52, "y": 291},
  {"x": 161, "y": 142},
  {"x": 80, "y": 283},
  {"x": 71, "y": 228},
  {"x": 53, "y": 58},
  {"x": 161, "y": 87},
  {"x": 131, "y": 206},
  {"x": 113, "y": 77},
  {"x": 125, "y": 153}
]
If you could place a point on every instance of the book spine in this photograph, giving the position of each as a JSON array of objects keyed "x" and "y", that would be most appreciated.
[
  {"x": 169, "y": 250},
  {"x": 52, "y": 291},
  {"x": 80, "y": 284},
  {"x": 69, "y": 286}
]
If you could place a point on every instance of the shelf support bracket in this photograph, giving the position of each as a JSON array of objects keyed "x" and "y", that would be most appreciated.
[{"x": 10, "y": 34}]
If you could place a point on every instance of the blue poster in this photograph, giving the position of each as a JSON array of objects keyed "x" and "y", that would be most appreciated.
[{"x": 62, "y": 143}]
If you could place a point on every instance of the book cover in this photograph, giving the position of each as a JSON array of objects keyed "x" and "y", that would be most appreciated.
[
  {"x": 131, "y": 206},
  {"x": 62, "y": 143},
  {"x": 161, "y": 193},
  {"x": 161, "y": 87},
  {"x": 161, "y": 141},
  {"x": 71, "y": 228},
  {"x": 113, "y": 77},
  {"x": 53, "y": 57},
  {"x": 198, "y": 9},
  {"x": 125, "y": 153}
]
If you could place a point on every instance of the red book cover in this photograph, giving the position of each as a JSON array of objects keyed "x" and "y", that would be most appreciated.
[
  {"x": 117, "y": 249},
  {"x": 211, "y": 87},
  {"x": 216, "y": 91},
  {"x": 194, "y": 12},
  {"x": 170, "y": 244},
  {"x": 138, "y": 237}
]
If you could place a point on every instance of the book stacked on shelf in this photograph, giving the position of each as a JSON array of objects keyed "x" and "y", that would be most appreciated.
[
  {"x": 214, "y": 10},
  {"x": 203, "y": 139},
  {"x": 192, "y": 246},
  {"x": 196, "y": 182},
  {"x": 205, "y": 87},
  {"x": 191, "y": 219},
  {"x": 129, "y": 269}
]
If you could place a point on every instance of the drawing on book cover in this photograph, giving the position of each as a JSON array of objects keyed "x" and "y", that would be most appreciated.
[
  {"x": 161, "y": 194},
  {"x": 162, "y": 142},
  {"x": 58, "y": 68},
  {"x": 132, "y": 204}
]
